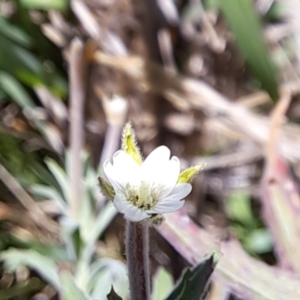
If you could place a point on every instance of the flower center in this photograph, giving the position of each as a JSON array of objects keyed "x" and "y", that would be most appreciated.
[{"x": 144, "y": 196}]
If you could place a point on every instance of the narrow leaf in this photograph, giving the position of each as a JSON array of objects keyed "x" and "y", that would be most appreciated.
[
  {"x": 238, "y": 208},
  {"x": 60, "y": 176},
  {"x": 21, "y": 289},
  {"x": 103, "y": 219},
  {"x": 247, "y": 30},
  {"x": 46, "y": 267},
  {"x": 15, "y": 90},
  {"x": 70, "y": 291},
  {"x": 45, "y": 4},
  {"x": 14, "y": 33},
  {"x": 49, "y": 192}
]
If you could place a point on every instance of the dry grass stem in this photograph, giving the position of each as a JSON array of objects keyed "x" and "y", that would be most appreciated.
[
  {"x": 202, "y": 97},
  {"x": 77, "y": 95}
]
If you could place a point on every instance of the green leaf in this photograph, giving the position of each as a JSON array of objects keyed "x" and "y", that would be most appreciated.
[
  {"x": 49, "y": 192},
  {"x": 46, "y": 267},
  {"x": 247, "y": 29},
  {"x": 113, "y": 295},
  {"x": 193, "y": 283},
  {"x": 70, "y": 291},
  {"x": 105, "y": 272},
  {"x": 8, "y": 241},
  {"x": 17, "y": 60},
  {"x": 162, "y": 284},
  {"x": 27, "y": 68},
  {"x": 21, "y": 289},
  {"x": 102, "y": 221},
  {"x": 15, "y": 90},
  {"x": 60, "y": 176},
  {"x": 71, "y": 234},
  {"x": 86, "y": 214},
  {"x": 14, "y": 33},
  {"x": 259, "y": 241},
  {"x": 276, "y": 12},
  {"x": 42, "y": 173},
  {"x": 238, "y": 208},
  {"x": 56, "y": 252},
  {"x": 45, "y": 4}
]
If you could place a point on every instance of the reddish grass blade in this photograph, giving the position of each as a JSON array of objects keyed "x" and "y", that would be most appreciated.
[{"x": 245, "y": 276}]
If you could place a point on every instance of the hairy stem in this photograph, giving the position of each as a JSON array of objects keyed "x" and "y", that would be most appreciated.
[{"x": 137, "y": 252}]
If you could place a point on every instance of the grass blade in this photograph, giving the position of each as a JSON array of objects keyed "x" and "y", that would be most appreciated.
[
  {"x": 235, "y": 268},
  {"x": 247, "y": 30}
]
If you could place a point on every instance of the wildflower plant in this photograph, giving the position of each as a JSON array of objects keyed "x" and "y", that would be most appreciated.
[{"x": 143, "y": 190}]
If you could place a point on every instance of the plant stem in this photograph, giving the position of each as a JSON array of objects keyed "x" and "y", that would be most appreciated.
[
  {"x": 76, "y": 124},
  {"x": 137, "y": 252}
]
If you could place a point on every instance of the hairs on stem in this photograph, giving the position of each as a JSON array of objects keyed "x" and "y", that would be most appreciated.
[{"x": 137, "y": 253}]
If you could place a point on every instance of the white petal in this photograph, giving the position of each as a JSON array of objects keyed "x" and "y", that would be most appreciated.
[
  {"x": 159, "y": 170},
  {"x": 112, "y": 176},
  {"x": 135, "y": 214},
  {"x": 131, "y": 212},
  {"x": 155, "y": 161},
  {"x": 126, "y": 167},
  {"x": 166, "y": 207},
  {"x": 180, "y": 191},
  {"x": 159, "y": 154},
  {"x": 123, "y": 170},
  {"x": 170, "y": 176},
  {"x": 172, "y": 201},
  {"x": 121, "y": 203},
  {"x": 121, "y": 158}
]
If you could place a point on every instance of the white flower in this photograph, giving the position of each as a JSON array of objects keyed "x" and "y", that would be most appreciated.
[{"x": 142, "y": 190}]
